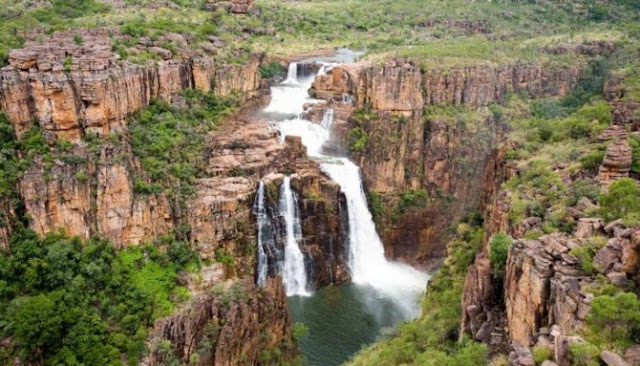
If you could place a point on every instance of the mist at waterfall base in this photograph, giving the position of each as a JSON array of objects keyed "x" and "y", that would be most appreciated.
[{"x": 343, "y": 319}]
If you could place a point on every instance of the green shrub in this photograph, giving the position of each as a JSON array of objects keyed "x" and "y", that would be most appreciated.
[
  {"x": 270, "y": 70},
  {"x": 412, "y": 199},
  {"x": 300, "y": 330},
  {"x": 499, "y": 249},
  {"x": 357, "y": 140},
  {"x": 592, "y": 160},
  {"x": 587, "y": 251},
  {"x": 584, "y": 354},
  {"x": 377, "y": 206},
  {"x": 634, "y": 142},
  {"x": 623, "y": 199},
  {"x": 541, "y": 354},
  {"x": 615, "y": 319}
]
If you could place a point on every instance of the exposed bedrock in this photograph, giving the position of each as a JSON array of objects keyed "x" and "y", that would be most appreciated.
[
  {"x": 237, "y": 325},
  {"x": 75, "y": 90},
  {"x": 410, "y": 147}
]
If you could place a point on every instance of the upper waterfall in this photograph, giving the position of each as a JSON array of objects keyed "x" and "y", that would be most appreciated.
[{"x": 292, "y": 74}]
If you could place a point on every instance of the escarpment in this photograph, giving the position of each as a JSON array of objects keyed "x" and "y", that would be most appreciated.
[
  {"x": 426, "y": 140},
  {"x": 244, "y": 325},
  {"x": 74, "y": 90}
]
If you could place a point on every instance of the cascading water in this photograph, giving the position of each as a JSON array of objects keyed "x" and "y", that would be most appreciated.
[
  {"x": 260, "y": 213},
  {"x": 294, "y": 273},
  {"x": 292, "y": 74},
  {"x": 327, "y": 119},
  {"x": 342, "y": 319}
]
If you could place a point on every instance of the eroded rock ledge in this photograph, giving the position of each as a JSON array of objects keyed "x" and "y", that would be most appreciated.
[{"x": 73, "y": 90}]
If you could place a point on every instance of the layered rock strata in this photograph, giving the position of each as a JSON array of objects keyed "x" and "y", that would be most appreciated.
[{"x": 73, "y": 90}]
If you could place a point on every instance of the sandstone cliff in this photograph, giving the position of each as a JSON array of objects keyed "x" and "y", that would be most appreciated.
[
  {"x": 237, "y": 325},
  {"x": 75, "y": 90},
  {"x": 414, "y": 143}
]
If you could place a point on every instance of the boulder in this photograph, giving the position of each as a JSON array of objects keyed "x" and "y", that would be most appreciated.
[
  {"x": 612, "y": 359},
  {"x": 632, "y": 354}
]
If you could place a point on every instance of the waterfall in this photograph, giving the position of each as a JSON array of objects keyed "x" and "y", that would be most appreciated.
[
  {"x": 327, "y": 119},
  {"x": 261, "y": 216},
  {"x": 294, "y": 273},
  {"x": 367, "y": 262},
  {"x": 292, "y": 74}
]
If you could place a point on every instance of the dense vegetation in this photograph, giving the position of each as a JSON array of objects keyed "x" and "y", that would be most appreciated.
[{"x": 73, "y": 302}]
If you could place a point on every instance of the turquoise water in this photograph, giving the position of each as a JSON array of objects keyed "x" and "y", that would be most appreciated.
[{"x": 341, "y": 320}]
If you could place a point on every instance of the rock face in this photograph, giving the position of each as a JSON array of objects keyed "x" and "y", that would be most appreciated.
[
  {"x": 400, "y": 85},
  {"x": 616, "y": 163},
  {"x": 409, "y": 148},
  {"x": 240, "y": 325},
  {"x": 76, "y": 90},
  {"x": 543, "y": 286}
]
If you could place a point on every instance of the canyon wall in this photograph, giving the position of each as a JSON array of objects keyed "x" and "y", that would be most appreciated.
[
  {"x": 428, "y": 133},
  {"x": 234, "y": 324}
]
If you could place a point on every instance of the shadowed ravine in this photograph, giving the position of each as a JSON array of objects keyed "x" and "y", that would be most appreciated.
[{"x": 342, "y": 319}]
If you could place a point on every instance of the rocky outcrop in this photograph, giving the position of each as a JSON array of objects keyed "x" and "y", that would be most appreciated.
[
  {"x": 73, "y": 90},
  {"x": 543, "y": 286},
  {"x": 235, "y": 324},
  {"x": 616, "y": 163},
  {"x": 86, "y": 195},
  {"x": 233, "y": 6}
]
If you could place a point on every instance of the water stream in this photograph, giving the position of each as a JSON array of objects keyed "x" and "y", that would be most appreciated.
[{"x": 341, "y": 319}]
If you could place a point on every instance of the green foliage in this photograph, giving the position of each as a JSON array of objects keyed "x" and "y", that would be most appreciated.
[
  {"x": 541, "y": 354},
  {"x": 634, "y": 142},
  {"x": 12, "y": 166},
  {"x": 270, "y": 70},
  {"x": 170, "y": 142},
  {"x": 376, "y": 204},
  {"x": 412, "y": 199},
  {"x": 300, "y": 330},
  {"x": 357, "y": 140},
  {"x": 584, "y": 354},
  {"x": 64, "y": 301},
  {"x": 224, "y": 257},
  {"x": 587, "y": 251},
  {"x": 614, "y": 319},
  {"x": 498, "y": 253},
  {"x": 592, "y": 160},
  {"x": 623, "y": 199}
]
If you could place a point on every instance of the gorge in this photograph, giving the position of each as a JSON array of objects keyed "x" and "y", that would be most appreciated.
[{"x": 229, "y": 183}]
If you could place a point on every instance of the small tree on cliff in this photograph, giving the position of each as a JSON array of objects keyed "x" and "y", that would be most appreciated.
[
  {"x": 498, "y": 253},
  {"x": 615, "y": 319}
]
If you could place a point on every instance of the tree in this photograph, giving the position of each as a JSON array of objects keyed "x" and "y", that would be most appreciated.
[
  {"x": 498, "y": 253},
  {"x": 614, "y": 318},
  {"x": 35, "y": 324},
  {"x": 623, "y": 199}
]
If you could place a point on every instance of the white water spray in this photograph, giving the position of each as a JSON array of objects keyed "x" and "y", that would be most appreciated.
[
  {"x": 294, "y": 273},
  {"x": 292, "y": 74},
  {"x": 327, "y": 119}
]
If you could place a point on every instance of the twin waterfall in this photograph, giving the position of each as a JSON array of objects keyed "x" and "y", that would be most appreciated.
[
  {"x": 294, "y": 273},
  {"x": 368, "y": 265}
]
